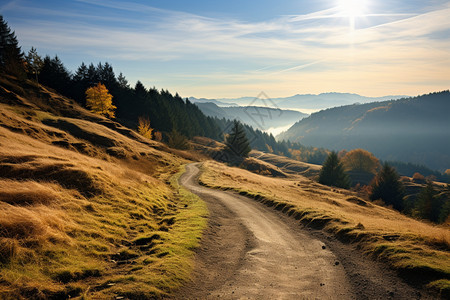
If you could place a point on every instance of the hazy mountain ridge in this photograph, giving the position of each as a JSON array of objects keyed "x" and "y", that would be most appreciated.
[
  {"x": 410, "y": 129},
  {"x": 216, "y": 102},
  {"x": 301, "y": 101},
  {"x": 258, "y": 117}
]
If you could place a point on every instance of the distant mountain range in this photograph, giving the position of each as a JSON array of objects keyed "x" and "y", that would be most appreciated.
[
  {"x": 217, "y": 102},
  {"x": 301, "y": 102},
  {"x": 413, "y": 130},
  {"x": 262, "y": 118}
]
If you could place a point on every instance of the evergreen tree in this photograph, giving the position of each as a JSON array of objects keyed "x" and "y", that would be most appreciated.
[
  {"x": 237, "y": 142},
  {"x": 55, "y": 75},
  {"x": 92, "y": 76},
  {"x": 34, "y": 63},
  {"x": 428, "y": 204},
  {"x": 177, "y": 140},
  {"x": 122, "y": 81},
  {"x": 387, "y": 187},
  {"x": 80, "y": 83},
  {"x": 11, "y": 56},
  {"x": 444, "y": 214},
  {"x": 106, "y": 75},
  {"x": 332, "y": 172},
  {"x": 140, "y": 89}
]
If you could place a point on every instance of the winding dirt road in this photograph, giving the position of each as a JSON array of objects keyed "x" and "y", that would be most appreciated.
[{"x": 251, "y": 252}]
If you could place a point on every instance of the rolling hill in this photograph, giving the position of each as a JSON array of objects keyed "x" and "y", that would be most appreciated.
[
  {"x": 90, "y": 209},
  {"x": 87, "y": 206},
  {"x": 411, "y": 129}
]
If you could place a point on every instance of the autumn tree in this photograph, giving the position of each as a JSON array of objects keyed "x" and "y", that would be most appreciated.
[
  {"x": 387, "y": 187},
  {"x": 332, "y": 172},
  {"x": 99, "y": 100},
  {"x": 144, "y": 128},
  {"x": 237, "y": 142},
  {"x": 417, "y": 177},
  {"x": 157, "y": 136},
  {"x": 360, "y": 160},
  {"x": 447, "y": 174}
]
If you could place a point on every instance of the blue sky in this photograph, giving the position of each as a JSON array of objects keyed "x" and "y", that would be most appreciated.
[{"x": 219, "y": 49}]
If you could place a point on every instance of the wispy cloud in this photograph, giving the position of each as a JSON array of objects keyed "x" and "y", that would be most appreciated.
[{"x": 283, "y": 50}]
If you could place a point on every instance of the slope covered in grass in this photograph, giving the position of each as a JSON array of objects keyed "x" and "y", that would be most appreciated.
[
  {"x": 87, "y": 206},
  {"x": 420, "y": 251}
]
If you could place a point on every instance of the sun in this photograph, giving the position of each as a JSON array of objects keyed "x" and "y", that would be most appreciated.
[{"x": 352, "y": 8}]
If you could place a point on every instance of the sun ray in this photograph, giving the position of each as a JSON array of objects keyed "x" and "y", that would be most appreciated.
[{"x": 352, "y": 9}]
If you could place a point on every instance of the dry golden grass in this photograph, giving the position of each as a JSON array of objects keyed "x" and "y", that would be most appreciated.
[
  {"x": 88, "y": 207},
  {"x": 420, "y": 248},
  {"x": 287, "y": 165},
  {"x": 25, "y": 193}
]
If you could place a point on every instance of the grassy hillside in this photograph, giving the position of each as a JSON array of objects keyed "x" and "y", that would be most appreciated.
[
  {"x": 418, "y": 250},
  {"x": 411, "y": 130},
  {"x": 288, "y": 165},
  {"x": 87, "y": 206}
]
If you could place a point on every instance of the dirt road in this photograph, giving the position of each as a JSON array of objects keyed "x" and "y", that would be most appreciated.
[{"x": 251, "y": 252}]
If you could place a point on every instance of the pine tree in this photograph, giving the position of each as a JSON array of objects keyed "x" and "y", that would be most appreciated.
[
  {"x": 177, "y": 140},
  {"x": 428, "y": 204},
  {"x": 387, "y": 187},
  {"x": 106, "y": 75},
  {"x": 444, "y": 214},
  {"x": 55, "y": 75},
  {"x": 332, "y": 172},
  {"x": 237, "y": 142},
  {"x": 122, "y": 81},
  {"x": 99, "y": 100},
  {"x": 11, "y": 56},
  {"x": 34, "y": 63}
]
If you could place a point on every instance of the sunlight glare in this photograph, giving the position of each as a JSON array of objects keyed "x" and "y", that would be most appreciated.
[{"x": 352, "y": 8}]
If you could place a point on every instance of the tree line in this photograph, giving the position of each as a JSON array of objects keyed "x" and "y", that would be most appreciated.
[
  {"x": 266, "y": 142},
  {"x": 175, "y": 117},
  {"x": 430, "y": 203},
  {"x": 167, "y": 113}
]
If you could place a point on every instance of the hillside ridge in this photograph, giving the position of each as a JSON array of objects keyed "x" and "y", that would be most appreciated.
[{"x": 408, "y": 130}]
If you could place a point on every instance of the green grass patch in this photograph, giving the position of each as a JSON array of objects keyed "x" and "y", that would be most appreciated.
[{"x": 138, "y": 242}]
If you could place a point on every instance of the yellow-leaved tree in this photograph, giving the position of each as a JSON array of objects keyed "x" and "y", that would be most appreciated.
[
  {"x": 144, "y": 128},
  {"x": 99, "y": 100},
  {"x": 361, "y": 160}
]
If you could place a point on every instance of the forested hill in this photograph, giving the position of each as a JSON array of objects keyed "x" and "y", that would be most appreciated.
[
  {"x": 166, "y": 112},
  {"x": 411, "y": 129}
]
